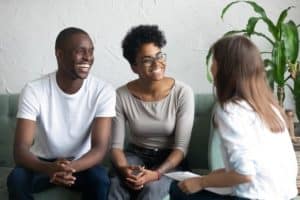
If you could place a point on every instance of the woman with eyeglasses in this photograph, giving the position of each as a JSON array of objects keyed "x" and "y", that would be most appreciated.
[
  {"x": 258, "y": 154},
  {"x": 159, "y": 113}
]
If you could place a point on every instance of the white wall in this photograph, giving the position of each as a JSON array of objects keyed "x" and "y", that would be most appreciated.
[{"x": 29, "y": 29}]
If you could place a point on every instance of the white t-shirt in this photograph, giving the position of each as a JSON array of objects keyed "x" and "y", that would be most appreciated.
[
  {"x": 250, "y": 148},
  {"x": 64, "y": 120}
]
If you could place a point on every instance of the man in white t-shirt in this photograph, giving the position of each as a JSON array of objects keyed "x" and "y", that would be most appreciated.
[{"x": 63, "y": 126}]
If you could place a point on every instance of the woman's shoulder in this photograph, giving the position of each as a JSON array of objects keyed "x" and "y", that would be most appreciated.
[
  {"x": 234, "y": 110},
  {"x": 122, "y": 88},
  {"x": 123, "y": 92},
  {"x": 182, "y": 88},
  {"x": 181, "y": 84}
]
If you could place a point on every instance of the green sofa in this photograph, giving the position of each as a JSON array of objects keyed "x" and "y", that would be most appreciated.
[{"x": 200, "y": 157}]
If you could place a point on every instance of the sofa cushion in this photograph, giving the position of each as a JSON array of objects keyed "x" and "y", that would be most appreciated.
[
  {"x": 4, "y": 171},
  {"x": 57, "y": 193}
]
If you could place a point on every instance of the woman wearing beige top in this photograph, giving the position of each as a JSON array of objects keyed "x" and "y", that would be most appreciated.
[{"x": 159, "y": 112}]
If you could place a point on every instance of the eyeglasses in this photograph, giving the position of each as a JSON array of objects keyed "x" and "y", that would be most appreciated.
[{"x": 148, "y": 61}]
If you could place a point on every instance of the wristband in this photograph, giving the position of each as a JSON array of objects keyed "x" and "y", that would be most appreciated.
[{"x": 158, "y": 174}]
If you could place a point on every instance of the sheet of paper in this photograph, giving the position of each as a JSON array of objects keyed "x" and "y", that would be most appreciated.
[{"x": 182, "y": 175}]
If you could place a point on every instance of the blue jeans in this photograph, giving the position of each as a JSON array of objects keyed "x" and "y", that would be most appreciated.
[
  {"x": 93, "y": 183},
  {"x": 177, "y": 194},
  {"x": 151, "y": 159}
]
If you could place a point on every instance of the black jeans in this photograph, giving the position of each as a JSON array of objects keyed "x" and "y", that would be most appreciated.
[{"x": 153, "y": 158}]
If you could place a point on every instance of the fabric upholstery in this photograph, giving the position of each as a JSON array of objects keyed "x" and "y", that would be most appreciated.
[{"x": 197, "y": 154}]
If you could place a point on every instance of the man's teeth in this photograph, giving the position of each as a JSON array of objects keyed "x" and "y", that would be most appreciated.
[{"x": 83, "y": 65}]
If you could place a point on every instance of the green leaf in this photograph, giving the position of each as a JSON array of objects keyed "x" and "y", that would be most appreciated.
[
  {"x": 258, "y": 9},
  {"x": 265, "y": 52},
  {"x": 234, "y": 32},
  {"x": 272, "y": 28},
  {"x": 208, "y": 58},
  {"x": 227, "y": 7},
  {"x": 252, "y": 21},
  {"x": 279, "y": 61},
  {"x": 282, "y": 16},
  {"x": 264, "y": 36},
  {"x": 297, "y": 95},
  {"x": 290, "y": 36}
]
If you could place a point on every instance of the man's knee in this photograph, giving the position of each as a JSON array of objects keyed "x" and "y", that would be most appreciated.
[
  {"x": 18, "y": 180},
  {"x": 98, "y": 176}
]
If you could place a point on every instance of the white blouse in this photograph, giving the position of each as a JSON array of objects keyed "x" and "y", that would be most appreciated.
[{"x": 250, "y": 148}]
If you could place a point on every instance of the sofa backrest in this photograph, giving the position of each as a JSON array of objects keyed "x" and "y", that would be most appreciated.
[
  {"x": 8, "y": 110},
  {"x": 198, "y": 149}
]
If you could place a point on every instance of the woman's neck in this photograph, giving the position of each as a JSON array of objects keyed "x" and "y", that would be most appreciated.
[
  {"x": 150, "y": 87},
  {"x": 152, "y": 91}
]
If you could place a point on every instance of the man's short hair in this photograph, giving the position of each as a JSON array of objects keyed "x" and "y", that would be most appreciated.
[{"x": 65, "y": 34}]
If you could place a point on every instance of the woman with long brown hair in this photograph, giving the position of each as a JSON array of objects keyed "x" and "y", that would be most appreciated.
[{"x": 258, "y": 155}]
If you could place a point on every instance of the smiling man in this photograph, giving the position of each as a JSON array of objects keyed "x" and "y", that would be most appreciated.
[{"x": 63, "y": 126}]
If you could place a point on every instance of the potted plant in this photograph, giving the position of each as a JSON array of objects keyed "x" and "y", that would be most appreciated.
[{"x": 281, "y": 63}]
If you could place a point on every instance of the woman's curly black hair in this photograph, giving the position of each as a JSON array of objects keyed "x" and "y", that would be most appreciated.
[{"x": 139, "y": 35}]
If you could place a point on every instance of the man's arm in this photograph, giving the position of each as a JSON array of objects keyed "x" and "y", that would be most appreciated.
[
  {"x": 24, "y": 137},
  {"x": 25, "y": 132},
  {"x": 101, "y": 129}
]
